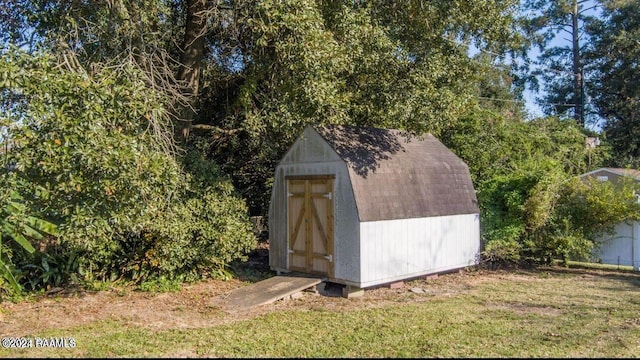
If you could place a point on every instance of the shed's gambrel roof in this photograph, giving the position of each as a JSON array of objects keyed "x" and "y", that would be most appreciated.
[
  {"x": 396, "y": 177},
  {"x": 632, "y": 173}
]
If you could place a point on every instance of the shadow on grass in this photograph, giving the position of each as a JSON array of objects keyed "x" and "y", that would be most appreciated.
[{"x": 629, "y": 276}]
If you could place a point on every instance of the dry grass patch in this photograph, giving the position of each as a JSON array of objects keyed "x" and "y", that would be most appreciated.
[{"x": 549, "y": 312}]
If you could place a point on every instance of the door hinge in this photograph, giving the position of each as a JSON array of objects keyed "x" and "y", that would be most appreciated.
[
  {"x": 328, "y": 195},
  {"x": 289, "y": 194},
  {"x": 329, "y": 257},
  {"x": 290, "y": 251}
]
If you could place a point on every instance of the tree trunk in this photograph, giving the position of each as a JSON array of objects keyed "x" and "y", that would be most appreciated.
[
  {"x": 578, "y": 90},
  {"x": 193, "y": 48}
]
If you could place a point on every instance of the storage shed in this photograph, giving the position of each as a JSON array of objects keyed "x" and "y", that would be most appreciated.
[
  {"x": 623, "y": 247},
  {"x": 365, "y": 206}
]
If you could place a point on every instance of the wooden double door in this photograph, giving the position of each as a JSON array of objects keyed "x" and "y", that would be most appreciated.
[{"x": 310, "y": 212}]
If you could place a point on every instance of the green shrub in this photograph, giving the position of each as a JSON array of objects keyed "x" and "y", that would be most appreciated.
[
  {"x": 99, "y": 145},
  {"x": 533, "y": 208},
  {"x": 539, "y": 216},
  {"x": 201, "y": 234},
  {"x": 501, "y": 252}
]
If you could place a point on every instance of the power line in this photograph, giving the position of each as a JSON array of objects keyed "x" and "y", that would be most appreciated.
[
  {"x": 527, "y": 62},
  {"x": 584, "y": 79}
]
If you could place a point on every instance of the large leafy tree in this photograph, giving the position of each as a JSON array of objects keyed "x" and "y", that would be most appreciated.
[
  {"x": 387, "y": 64},
  {"x": 248, "y": 75},
  {"x": 166, "y": 40},
  {"x": 616, "y": 86}
]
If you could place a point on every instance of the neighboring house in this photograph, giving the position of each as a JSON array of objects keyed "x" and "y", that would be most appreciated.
[
  {"x": 366, "y": 206},
  {"x": 622, "y": 248}
]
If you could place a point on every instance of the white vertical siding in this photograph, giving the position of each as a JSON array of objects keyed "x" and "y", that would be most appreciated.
[
  {"x": 399, "y": 249},
  {"x": 311, "y": 155},
  {"x": 623, "y": 248},
  {"x": 636, "y": 246}
]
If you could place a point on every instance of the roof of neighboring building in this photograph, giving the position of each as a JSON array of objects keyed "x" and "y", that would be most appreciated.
[
  {"x": 395, "y": 177},
  {"x": 618, "y": 171}
]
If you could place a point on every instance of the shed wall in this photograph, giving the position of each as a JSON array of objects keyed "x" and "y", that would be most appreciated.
[
  {"x": 393, "y": 250},
  {"x": 311, "y": 155},
  {"x": 623, "y": 248}
]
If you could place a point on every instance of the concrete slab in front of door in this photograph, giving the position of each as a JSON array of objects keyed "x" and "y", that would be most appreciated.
[{"x": 266, "y": 291}]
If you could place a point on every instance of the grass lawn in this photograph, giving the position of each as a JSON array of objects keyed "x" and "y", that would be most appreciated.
[{"x": 549, "y": 312}]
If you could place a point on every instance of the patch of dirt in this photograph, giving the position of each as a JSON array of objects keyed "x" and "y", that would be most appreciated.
[
  {"x": 187, "y": 308},
  {"x": 194, "y": 306}
]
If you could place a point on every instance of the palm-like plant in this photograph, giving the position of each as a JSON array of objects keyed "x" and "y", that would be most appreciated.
[{"x": 16, "y": 223}]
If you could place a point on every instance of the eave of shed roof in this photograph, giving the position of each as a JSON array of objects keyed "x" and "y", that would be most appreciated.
[{"x": 396, "y": 177}]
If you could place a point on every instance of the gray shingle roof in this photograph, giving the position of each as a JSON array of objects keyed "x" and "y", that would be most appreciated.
[
  {"x": 632, "y": 173},
  {"x": 395, "y": 177}
]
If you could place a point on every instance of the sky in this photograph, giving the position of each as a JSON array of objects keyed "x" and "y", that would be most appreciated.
[{"x": 533, "y": 109}]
